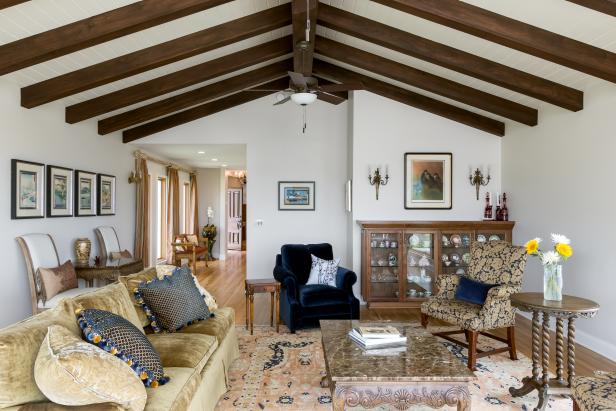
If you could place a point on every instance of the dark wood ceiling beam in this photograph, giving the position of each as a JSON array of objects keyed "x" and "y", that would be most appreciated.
[
  {"x": 95, "y": 30},
  {"x": 302, "y": 58},
  {"x": 9, "y": 3},
  {"x": 201, "y": 111},
  {"x": 334, "y": 98},
  {"x": 449, "y": 57},
  {"x": 156, "y": 56},
  {"x": 602, "y": 6},
  {"x": 512, "y": 33},
  {"x": 410, "y": 98},
  {"x": 429, "y": 82},
  {"x": 178, "y": 80},
  {"x": 194, "y": 97}
]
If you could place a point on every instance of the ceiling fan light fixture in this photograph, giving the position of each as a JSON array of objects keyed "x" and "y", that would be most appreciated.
[{"x": 303, "y": 99}]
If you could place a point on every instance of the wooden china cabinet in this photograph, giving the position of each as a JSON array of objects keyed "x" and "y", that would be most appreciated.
[{"x": 401, "y": 260}]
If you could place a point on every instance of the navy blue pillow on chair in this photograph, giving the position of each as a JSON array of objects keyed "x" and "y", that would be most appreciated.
[{"x": 472, "y": 291}]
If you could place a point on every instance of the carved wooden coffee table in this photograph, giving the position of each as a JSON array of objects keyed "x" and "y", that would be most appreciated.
[
  {"x": 568, "y": 309},
  {"x": 427, "y": 373}
]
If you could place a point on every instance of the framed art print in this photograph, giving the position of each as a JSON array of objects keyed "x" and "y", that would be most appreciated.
[
  {"x": 296, "y": 195},
  {"x": 85, "y": 193},
  {"x": 106, "y": 194},
  {"x": 427, "y": 181},
  {"x": 59, "y": 191},
  {"x": 27, "y": 189}
]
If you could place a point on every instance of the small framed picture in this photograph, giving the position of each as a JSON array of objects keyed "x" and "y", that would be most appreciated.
[
  {"x": 106, "y": 194},
  {"x": 296, "y": 195},
  {"x": 85, "y": 193},
  {"x": 59, "y": 191},
  {"x": 427, "y": 181},
  {"x": 27, "y": 189}
]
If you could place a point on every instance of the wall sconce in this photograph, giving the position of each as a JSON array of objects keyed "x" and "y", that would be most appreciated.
[
  {"x": 377, "y": 181},
  {"x": 478, "y": 180},
  {"x": 134, "y": 178}
]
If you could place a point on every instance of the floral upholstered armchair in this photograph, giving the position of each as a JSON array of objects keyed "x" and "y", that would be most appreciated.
[
  {"x": 495, "y": 262},
  {"x": 594, "y": 393}
]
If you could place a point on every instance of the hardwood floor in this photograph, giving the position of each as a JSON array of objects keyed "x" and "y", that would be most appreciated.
[{"x": 225, "y": 280}]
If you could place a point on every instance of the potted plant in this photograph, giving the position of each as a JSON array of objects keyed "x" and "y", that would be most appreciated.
[{"x": 552, "y": 264}]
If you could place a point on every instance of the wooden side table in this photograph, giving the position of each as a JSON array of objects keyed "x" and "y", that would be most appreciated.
[
  {"x": 568, "y": 309},
  {"x": 108, "y": 270},
  {"x": 262, "y": 286}
]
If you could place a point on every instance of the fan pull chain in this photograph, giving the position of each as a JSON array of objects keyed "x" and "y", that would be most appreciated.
[
  {"x": 304, "y": 128},
  {"x": 307, "y": 20}
]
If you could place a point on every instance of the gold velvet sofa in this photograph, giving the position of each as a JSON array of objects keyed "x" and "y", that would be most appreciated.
[{"x": 197, "y": 358}]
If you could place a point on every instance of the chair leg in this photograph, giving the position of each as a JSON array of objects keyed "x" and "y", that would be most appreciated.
[
  {"x": 513, "y": 354},
  {"x": 472, "y": 350},
  {"x": 466, "y": 335},
  {"x": 576, "y": 406},
  {"x": 424, "y": 320}
]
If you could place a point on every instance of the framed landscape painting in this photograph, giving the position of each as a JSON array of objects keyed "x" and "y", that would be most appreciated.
[
  {"x": 106, "y": 194},
  {"x": 59, "y": 191},
  {"x": 27, "y": 189},
  {"x": 85, "y": 193},
  {"x": 427, "y": 181},
  {"x": 296, "y": 195}
]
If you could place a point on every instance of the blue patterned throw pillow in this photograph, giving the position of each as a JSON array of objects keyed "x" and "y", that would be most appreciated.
[
  {"x": 121, "y": 338},
  {"x": 173, "y": 301}
]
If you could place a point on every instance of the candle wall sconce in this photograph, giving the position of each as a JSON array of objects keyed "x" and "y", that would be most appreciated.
[
  {"x": 477, "y": 179},
  {"x": 377, "y": 180}
]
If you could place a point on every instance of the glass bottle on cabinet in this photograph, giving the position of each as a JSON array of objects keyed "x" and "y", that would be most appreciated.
[
  {"x": 420, "y": 269},
  {"x": 384, "y": 267},
  {"x": 455, "y": 252}
]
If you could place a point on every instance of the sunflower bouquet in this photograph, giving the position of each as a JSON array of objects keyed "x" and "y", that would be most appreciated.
[{"x": 552, "y": 264}]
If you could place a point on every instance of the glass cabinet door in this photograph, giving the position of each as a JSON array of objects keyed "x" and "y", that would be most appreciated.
[
  {"x": 384, "y": 267},
  {"x": 455, "y": 252},
  {"x": 420, "y": 269}
]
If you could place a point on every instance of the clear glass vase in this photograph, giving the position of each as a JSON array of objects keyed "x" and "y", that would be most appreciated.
[{"x": 553, "y": 282}]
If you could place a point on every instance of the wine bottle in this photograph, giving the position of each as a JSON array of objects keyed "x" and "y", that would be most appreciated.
[{"x": 504, "y": 210}]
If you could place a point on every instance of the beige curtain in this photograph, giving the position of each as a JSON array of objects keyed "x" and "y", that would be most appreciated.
[
  {"x": 142, "y": 223},
  {"x": 193, "y": 221},
  {"x": 173, "y": 209}
]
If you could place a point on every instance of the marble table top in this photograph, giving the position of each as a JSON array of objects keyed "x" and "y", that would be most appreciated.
[{"x": 425, "y": 358}]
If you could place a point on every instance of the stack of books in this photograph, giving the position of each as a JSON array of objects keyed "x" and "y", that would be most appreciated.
[{"x": 373, "y": 338}]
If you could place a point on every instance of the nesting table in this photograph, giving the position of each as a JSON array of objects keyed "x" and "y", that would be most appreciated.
[
  {"x": 265, "y": 285},
  {"x": 570, "y": 308}
]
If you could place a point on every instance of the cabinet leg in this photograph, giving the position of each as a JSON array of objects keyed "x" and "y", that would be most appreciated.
[
  {"x": 247, "y": 309},
  {"x": 252, "y": 313},
  {"x": 272, "y": 309},
  {"x": 277, "y": 310}
]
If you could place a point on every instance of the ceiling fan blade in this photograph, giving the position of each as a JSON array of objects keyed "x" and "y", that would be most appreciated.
[
  {"x": 351, "y": 85},
  {"x": 330, "y": 98},
  {"x": 298, "y": 79},
  {"x": 264, "y": 89},
  {"x": 284, "y": 100}
]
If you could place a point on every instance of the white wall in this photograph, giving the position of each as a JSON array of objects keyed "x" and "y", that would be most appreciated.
[
  {"x": 277, "y": 151},
  {"x": 383, "y": 130},
  {"x": 560, "y": 179},
  {"x": 208, "y": 183},
  {"x": 41, "y": 135}
]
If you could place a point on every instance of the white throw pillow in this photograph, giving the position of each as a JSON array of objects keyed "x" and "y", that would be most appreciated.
[{"x": 323, "y": 271}]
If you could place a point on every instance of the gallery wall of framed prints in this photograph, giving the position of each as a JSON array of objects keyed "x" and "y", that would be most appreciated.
[{"x": 39, "y": 191}]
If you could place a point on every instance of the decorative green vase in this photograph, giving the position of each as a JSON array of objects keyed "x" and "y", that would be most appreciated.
[{"x": 553, "y": 282}]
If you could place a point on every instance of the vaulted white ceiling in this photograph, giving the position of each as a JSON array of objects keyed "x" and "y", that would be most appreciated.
[{"x": 559, "y": 16}]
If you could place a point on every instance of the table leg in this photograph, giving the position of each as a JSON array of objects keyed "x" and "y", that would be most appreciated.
[
  {"x": 277, "y": 310},
  {"x": 571, "y": 350},
  {"x": 545, "y": 356},
  {"x": 252, "y": 312},
  {"x": 560, "y": 343},
  {"x": 272, "y": 309},
  {"x": 531, "y": 383},
  {"x": 247, "y": 309}
]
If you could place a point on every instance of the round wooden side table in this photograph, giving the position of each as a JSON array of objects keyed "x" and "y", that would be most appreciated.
[{"x": 568, "y": 309}]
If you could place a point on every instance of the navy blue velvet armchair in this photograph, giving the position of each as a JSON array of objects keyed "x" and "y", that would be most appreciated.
[{"x": 304, "y": 305}]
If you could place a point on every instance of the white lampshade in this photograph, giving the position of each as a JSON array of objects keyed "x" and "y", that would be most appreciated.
[{"x": 303, "y": 99}]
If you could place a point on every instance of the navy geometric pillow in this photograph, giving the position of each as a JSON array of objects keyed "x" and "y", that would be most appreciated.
[
  {"x": 173, "y": 301},
  {"x": 121, "y": 338}
]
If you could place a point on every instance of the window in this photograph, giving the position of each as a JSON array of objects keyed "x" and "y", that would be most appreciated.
[
  {"x": 161, "y": 209},
  {"x": 186, "y": 196}
]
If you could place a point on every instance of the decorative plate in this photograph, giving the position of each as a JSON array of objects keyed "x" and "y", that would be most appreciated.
[
  {"x": 445, "y": 241},
  {"x": 460, "y": 271},
  {"x": 466, "y": 240},
  {"x": 456, "y": 240},
  {"x": 414, "y": 240},
  {"x": 445, "y": 257},
  {"x": 455, "y": 257},
  {"x": 466, "y": 257},
  {"x": 481, "y": 238},
  {"x": 494, "y": 237}
]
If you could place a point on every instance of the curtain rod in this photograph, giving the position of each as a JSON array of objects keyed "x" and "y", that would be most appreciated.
[{"x": 141, "y": 154}]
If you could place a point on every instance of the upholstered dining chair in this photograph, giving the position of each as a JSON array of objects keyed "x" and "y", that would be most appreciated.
[
  {"x": 595, "y": 393},
  {"x": 496, "y": 263},
  {"x": 109, "y": 243},
  {"x": 40, "y": 252}
]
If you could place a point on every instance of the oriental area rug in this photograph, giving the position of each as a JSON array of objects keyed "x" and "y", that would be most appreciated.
[{"x": 283, "y": 372}]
